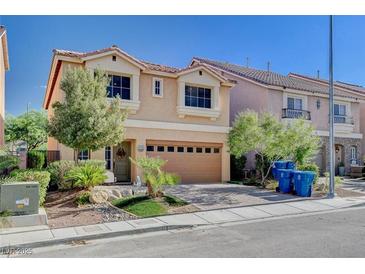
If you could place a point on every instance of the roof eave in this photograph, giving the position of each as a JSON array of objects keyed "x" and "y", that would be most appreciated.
[
  {"x": 203, "y": 67},
  {"x": 120, "y": 53}
]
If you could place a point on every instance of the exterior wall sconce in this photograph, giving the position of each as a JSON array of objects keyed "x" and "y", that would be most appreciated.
[
  {"x": 318, "y": 103},
  {"x": 140, "y": 148}
]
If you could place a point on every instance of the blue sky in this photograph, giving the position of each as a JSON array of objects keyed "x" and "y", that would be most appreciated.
[{"x": 291, "y": 43}]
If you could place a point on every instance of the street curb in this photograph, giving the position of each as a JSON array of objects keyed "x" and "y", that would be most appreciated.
[{"x": 97, "y": 236}]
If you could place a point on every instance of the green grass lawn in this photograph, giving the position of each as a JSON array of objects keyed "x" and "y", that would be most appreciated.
[{"x": 144, "y": 206}]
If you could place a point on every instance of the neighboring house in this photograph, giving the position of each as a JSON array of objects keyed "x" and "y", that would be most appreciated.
[
  {"x": 4, "y": 66},
  {"x": 293, "y": 96},
  {"x": 181, "y": 115}
]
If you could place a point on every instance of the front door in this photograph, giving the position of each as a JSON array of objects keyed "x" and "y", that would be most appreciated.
[
  {"x": 121, "y": 165},
  {"x": 339, "y": 157}
]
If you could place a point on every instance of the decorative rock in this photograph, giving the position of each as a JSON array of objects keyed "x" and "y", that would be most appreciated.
[
  {"x": 126, "y": 192},
  {"x": 98, "y": 197},
  {"x": 139, "y": 191},
  {"x": 116, "y": 193}
]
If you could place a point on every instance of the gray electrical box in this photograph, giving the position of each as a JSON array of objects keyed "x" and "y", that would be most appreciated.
[{"x": 20, "y": 198}]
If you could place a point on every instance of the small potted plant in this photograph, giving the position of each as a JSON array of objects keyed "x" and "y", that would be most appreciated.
[{"x": 341, "y": 169}]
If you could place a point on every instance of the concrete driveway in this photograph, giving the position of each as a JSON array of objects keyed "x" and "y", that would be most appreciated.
[
  {"x": 354, "y": 185},
  {"x": 214, "y": 196}
]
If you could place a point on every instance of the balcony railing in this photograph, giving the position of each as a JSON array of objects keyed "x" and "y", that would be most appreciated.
[
  {"x": 343, "y": 119},
  {"x": 295, "y": 114}
]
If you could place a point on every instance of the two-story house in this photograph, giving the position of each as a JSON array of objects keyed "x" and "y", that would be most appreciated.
[
  {"x": 292, "y": 96},
  {"x": 181, "y": 115},
  {"x": 4, "y": 66}
]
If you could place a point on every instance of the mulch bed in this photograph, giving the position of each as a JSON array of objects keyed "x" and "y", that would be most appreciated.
[{"x": 62, "y": 211}]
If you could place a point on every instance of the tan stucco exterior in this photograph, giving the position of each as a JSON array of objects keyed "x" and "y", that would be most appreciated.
[{"x": 154, "y": 118}]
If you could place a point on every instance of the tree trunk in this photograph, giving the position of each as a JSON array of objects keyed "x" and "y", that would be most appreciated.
[
  {"x": 150, "y": 190},
  {"x": 76, "y": 155}
]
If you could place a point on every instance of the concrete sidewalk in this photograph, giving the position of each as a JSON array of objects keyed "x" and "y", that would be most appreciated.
[{"x": 43, "y": 235}]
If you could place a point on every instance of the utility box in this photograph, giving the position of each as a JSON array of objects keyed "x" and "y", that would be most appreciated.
[{"x": 19, "y": 198}]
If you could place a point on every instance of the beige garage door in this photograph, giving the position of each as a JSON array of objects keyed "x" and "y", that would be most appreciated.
[{"x": 193, "y": 162}]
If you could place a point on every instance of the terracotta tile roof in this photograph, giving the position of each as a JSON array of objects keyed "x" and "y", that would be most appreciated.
[
  {"x": 77, "y": 54},
  {"x": 161, "y": 68},
  {"x": 269, "y": 77},
  {"x": 349, "y": 86},
  {"x": 149, "y": 65},
  {"x": 68, "y": 53}
]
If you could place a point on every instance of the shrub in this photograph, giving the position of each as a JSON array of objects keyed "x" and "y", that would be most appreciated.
[
  {"x": 86, "y": 176},
  {"x": 324, "y": 187},
  {"x": 8, "y": 163},
  {"x": 58, "y": 170},
  {"x": 27, "y": 175},
  {"x": 155, "y": 178},
  {"x": 310, "y": 167},
  {"x": 272, "y": 185},
  {"x": 99, "y": 163},
  {"x": 122, "y": 202},
  {"x": 237, "y": 166},
  {"x": 83, "y": 198},
  {"x": 36, "y": 159},
  {"x": 174, "y": 201}
]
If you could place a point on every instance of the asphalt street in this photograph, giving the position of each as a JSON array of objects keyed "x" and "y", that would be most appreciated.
[{"x": 336, "y": 234}]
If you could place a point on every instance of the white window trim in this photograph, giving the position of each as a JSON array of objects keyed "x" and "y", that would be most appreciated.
[
  {"x": 296, "y": 96},
  {"x": 154, "y": 79},
  {"x": 213, "y": 113}
]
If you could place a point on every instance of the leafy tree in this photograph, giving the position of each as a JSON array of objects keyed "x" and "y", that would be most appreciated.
[
  {"x": 87, "y": 119},
  {"x": 155, "y": 178},
  {"x": 271, "y": 140},
  {"x": 303, "y": 143},
  {"x": 29, "y": 127}
]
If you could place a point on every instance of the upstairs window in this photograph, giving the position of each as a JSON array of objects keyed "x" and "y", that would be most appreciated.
[
  {"x": 340, "y": 113},
  {"x": 197, "y": 97},
  {"x": 119, "y": 86},
  {"x": 340, "y": 110},
  {"x": 157, "y": 87},
  {"x": 295, "y": 103}
]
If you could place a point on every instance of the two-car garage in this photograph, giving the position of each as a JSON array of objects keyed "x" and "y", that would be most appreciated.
[{"x": 193, "y": 162}]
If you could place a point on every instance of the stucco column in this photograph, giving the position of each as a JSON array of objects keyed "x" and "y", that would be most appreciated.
[
  {"x": 215, "y": 104},
  {"x": 226, "y": 163},
  {"x": 181, "y": 94},
  {"x": 139, "y": 151},
  {"x": 135, "y": 87}
]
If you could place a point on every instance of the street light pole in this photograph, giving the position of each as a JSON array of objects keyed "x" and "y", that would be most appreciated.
[{"x": 331, "y": 192}]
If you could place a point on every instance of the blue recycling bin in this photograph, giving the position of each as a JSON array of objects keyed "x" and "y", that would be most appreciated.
[
  {"x": 290, "y": 165},
  {"x": 285, "y": 180},
  {"x": 280, "y": 164},
  {"x": 303, "y": 182}
]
